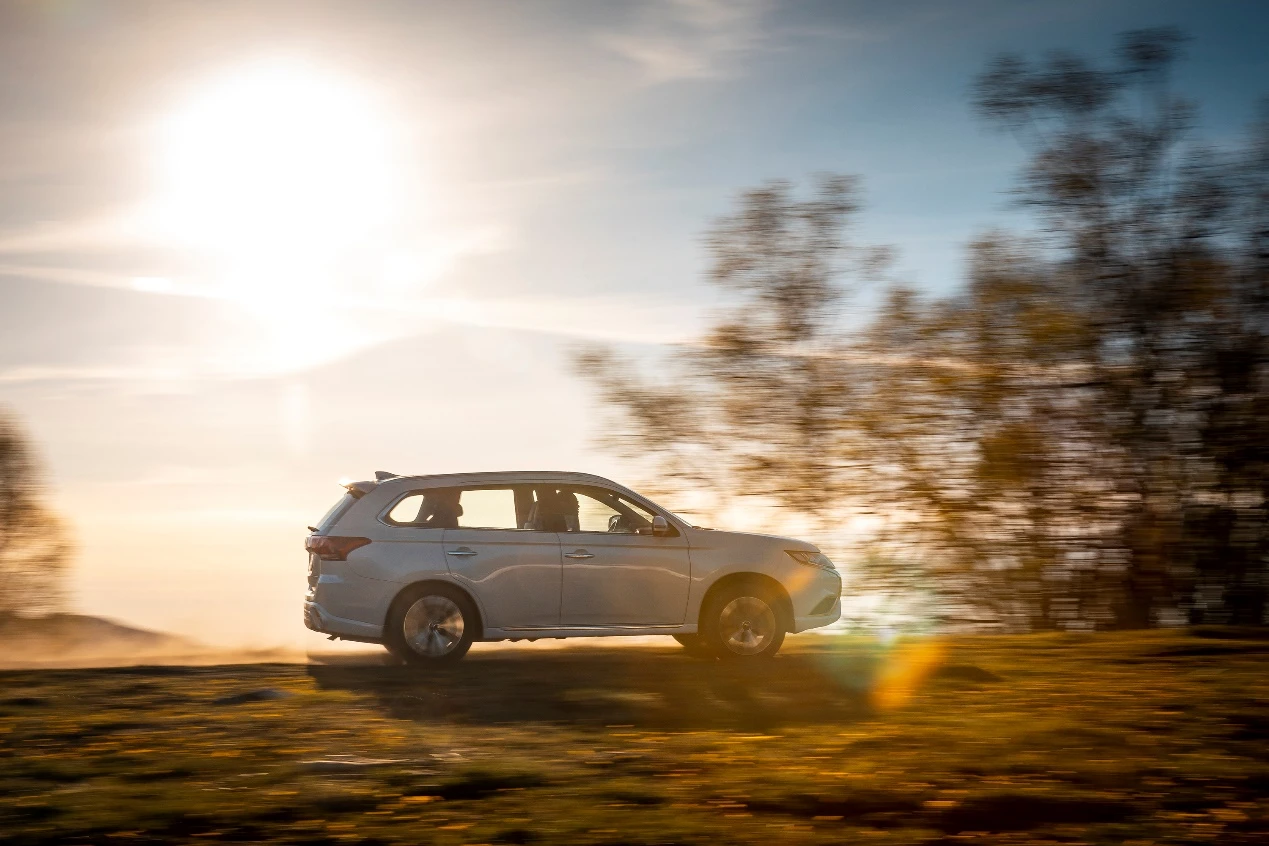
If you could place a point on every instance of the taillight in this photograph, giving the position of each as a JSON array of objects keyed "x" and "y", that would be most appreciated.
[{"x": 329, "y": 548}]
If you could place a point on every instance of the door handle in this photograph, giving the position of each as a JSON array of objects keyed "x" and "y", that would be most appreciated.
[
  {"x": 580, "y": 553},
  {"x": 462, "y": 550}
]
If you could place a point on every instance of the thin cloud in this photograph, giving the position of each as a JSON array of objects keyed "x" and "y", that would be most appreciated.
[
  {"x": 27, "y": 375},
  {"x": 690, "y": 39},
  {"x": 372, "y": 322},
  {"x": 112, "y": 230},
  {"x": 102, "y": 279}
]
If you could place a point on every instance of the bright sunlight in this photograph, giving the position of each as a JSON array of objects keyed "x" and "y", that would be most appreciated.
[{"x": 274, "y": 170}]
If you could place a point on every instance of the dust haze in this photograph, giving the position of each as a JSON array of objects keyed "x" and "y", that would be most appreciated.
[{"x": 75, "y": 641}]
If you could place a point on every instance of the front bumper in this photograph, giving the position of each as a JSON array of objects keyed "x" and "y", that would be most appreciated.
[{"x": 815, "y": 621}]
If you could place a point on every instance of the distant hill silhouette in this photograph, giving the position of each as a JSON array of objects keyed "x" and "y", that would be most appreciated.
[
  {"x": 66, "y": 639},
  {"x": 80, "y": 640}
]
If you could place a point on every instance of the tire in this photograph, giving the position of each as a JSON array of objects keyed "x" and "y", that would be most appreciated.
[
  {"x": 742, "y": 622},
  {"x": 695, "y": 645},
  {"x": 431, "y": 624}
]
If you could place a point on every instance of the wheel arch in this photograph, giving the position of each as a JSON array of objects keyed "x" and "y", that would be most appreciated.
[
  {"x": 784, "y": 602},
  {"x": 427, "y": 583}
]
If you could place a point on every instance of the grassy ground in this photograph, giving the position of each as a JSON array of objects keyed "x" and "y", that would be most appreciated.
[{"x": 1151, "y": 738}]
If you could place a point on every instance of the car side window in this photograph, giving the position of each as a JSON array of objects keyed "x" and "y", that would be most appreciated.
[
  {"x": 406, "y": 511},
  {"x": 434, "y": 508},
  {"x": 605, "y": 511},
  {"x": 487, "y": 508}
]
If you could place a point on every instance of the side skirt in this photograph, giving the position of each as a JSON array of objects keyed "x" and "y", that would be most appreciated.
[{"x": 585, "y": 631}]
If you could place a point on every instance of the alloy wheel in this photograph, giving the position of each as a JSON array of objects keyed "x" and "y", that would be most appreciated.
[
  {"x": 433, "y": 626},
  {"x": 746, "y": 625}
]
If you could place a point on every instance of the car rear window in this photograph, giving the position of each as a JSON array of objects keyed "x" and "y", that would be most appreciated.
[{"x": 336, "y": 511}]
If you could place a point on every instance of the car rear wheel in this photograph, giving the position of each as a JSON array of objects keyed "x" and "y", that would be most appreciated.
[
  {"x": 431, "y": 624},
  {"x": 743, "y": 622}
]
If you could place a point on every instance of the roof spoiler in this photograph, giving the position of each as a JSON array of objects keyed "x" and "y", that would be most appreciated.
[{"x": 359, "y": 489}]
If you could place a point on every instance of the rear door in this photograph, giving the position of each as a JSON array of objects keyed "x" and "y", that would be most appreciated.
[
  {"x": 514, "y": 572},
  {"x": 616, "y": 573},
  {"x": 402, "y": 548}
]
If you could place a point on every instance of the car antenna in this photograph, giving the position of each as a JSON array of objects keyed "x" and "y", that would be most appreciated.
[{"x": 384, "y": 475}]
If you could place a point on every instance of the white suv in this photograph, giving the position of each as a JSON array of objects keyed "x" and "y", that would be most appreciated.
[{"x": 426, "y": 565}]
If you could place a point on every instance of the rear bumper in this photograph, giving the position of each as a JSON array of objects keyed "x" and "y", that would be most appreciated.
[{"x": 318, "y": 619}]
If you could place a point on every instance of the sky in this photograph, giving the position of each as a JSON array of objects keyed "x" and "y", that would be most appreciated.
[{"x": 248, "y": 249}]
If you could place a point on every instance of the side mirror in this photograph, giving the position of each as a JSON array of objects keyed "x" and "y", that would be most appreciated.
[{"x": 660, "y": 527}]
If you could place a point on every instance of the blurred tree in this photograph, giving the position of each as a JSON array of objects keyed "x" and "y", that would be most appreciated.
[
  {"x": 1163, "y": 246},
  {"x": 754, "y": 407},
  {"x": 985, "y": 453},
  {"x": 1078, "y": 439},
  {"x": 34, "y": 550}
]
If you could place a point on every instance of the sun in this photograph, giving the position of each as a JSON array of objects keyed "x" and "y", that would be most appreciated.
[{"x": 272, "y": 169}]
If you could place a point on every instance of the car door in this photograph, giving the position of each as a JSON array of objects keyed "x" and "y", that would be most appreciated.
[
  {"x": 616, "y": 576},
  {"x": 513, "y": 572},
  {"x": 404, "y": 550}
]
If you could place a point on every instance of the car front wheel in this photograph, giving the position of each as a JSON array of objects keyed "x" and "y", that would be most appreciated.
[
  {"x": 431, "y": 624},
  {"x": 742, "y": 622}
]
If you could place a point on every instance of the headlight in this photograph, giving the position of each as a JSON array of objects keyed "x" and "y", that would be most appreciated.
[{"x": 811, "y": 559}]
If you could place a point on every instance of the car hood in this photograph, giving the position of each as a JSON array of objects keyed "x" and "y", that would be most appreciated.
[{"x": 721, "y": 536}]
